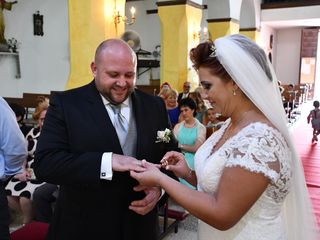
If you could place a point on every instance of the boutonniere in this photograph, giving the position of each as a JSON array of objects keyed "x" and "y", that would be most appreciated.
[{"x": 163, "y": 136}]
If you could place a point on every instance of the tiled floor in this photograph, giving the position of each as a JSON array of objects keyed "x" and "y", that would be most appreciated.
[{"x": 187, "y": 230}]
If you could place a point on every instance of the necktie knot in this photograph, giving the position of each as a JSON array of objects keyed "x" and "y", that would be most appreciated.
[{"x": 116, "y": 109}]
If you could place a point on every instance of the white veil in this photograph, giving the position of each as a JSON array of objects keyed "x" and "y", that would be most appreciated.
[{"x": 248, "y": 66}]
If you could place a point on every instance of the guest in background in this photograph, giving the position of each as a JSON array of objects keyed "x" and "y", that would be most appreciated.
[
  {"x": 164, "y": 88},
  {"x": 164, "y": 93},
  {"x": 13, "y": 152},
  {"x": 201, "y": 91},
  {"x": 165, "y": 85},
  {"x": 201, "y": 107},
  {"x": 289, "y": 96},
  {"x": 20, "y": 113},
  {"x": 190, "y": 133},
  {"x": 314, "y": 117},
  {"x": 21, "y": 187},
  {"x": 172, "y": 106},
  {"x": 213, "y": 123},
  {"x": 185, "y": 92}
]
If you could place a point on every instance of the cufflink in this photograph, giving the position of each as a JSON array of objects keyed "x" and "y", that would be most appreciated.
[{"x": 103, "y": 174}]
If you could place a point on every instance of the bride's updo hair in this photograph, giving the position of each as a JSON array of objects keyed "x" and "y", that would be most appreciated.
[{"x": 204, "y": 56}]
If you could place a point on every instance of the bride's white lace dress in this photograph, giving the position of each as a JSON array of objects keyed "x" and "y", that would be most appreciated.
[{"x": 257, "y": 148}]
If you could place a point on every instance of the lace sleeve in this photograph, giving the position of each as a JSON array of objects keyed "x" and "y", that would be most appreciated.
[{"x": 259, "y": 149}]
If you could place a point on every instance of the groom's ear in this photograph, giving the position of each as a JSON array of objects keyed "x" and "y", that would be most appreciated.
[{"x": 93, "y": 69}]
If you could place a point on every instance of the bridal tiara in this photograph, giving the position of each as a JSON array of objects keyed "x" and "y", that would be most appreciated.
[{"x": 213, "y": 53}]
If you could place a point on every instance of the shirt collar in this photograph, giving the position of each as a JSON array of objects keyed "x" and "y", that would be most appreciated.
[
  {"x": 125, "y": 107},
  {"x": 106, "y": 102}
]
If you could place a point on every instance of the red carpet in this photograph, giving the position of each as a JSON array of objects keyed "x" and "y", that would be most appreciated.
[
  {"x": 31, "y": 231},
  {"x": 315, "y": 198},
  {"x": 309, "y": 153},
  {"x": 310, "y": 157}
]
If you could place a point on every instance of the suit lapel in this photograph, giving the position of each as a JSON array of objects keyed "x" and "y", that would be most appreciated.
[
  {"x": 137, "y": 106},
  {"x": 101, "y": 118}
]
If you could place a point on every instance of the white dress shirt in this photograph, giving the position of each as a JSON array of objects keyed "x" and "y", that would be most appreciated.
[
  {"x": 185, "y": 95},
  {"x": 106, "y": 161}
]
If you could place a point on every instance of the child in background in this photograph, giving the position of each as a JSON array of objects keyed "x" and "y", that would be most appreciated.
[
  {"x": 314, "y": 116},
  {"x": 213, "y": 122}
]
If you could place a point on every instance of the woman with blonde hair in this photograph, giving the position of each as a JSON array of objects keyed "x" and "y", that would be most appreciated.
[
  {"x": 21, "y": 187},
  {"x": 201, "y": 107},
  {"x": 172, "y": 106}
]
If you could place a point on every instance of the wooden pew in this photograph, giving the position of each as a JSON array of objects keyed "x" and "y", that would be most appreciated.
[
  {"x": 14, "y": 100},
  {"x": 30, "y": 102}
]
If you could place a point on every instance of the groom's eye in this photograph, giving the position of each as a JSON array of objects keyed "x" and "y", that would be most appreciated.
[{"x": 112, "y": 74}]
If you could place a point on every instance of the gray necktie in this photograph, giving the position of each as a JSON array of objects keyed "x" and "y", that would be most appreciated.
[{"x": 120, "y": 123}]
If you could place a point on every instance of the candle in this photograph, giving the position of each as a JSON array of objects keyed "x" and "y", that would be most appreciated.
[{"x": 133, "y": 11}]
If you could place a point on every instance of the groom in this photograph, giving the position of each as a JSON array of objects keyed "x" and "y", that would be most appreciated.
[{"x": 87, "y": 147}]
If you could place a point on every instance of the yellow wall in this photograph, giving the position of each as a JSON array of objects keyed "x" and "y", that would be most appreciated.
[
  {"x": 178, "y": 22},
  {"x": 223, "y": 28},
  {"x": 253, "y": 35},
  {"x": 194, "y": 22},
  {"x": 90, "y": 22}
]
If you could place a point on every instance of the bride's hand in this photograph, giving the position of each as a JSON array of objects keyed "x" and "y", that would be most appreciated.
[
  {"x": 150, "y": 176},
  {"x": 175, "y": 162}
]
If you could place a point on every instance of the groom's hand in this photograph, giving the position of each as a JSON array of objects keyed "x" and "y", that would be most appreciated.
[
  {"x": 146, "y": 204},
  {"x": 121, "y": 163}
]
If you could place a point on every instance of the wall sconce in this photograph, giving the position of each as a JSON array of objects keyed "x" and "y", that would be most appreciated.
[
  {"x": 118, "y": 17},
  {"x": 201, "y": 35}
]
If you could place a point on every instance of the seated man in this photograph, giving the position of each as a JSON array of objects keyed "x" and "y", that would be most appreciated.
[
  {"x": 20, "y": 113},
  {"x": 186, "y": 91},
  {"x": 289, "y": 96}
]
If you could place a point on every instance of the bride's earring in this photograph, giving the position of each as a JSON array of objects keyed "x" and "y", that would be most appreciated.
[{"x": 234, "y": 92}]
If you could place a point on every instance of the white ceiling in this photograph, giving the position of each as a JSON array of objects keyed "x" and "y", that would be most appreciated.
[
  {"x": 293, "y": 23},
  {"x": 306, "y": 16}
]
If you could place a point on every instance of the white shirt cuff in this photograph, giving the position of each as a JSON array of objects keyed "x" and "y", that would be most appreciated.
[{"x": 106, "y": 166}]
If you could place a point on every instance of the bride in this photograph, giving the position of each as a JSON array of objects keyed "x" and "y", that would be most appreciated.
[{"x": 249, "y": 177}]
